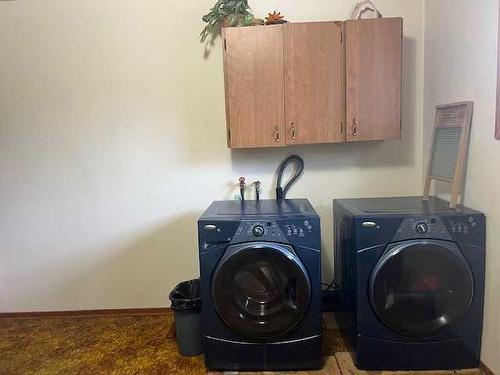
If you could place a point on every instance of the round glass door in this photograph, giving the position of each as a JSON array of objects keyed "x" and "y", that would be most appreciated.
[
  {"x": 419, "y": 287},
  {"x": 261, "y": 290}
]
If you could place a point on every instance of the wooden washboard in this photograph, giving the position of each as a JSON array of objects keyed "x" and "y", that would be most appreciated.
[{"x": 449, "y": 147}]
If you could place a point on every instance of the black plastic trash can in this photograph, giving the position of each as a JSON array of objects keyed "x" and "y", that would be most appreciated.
[{"x": 186, "y": 303}]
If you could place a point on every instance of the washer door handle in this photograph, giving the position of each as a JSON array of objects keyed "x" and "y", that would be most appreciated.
[{"x": 292, "y": 293}]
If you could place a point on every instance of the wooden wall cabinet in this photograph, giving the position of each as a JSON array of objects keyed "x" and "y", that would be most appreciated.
[
  {"x": 299, "y": 83},
  {"x": 373, "y": 78},
  {"x": 313, "y": 82},
  {"x": 253, "y": 68}
]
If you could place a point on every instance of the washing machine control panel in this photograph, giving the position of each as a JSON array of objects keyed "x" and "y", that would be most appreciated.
[
  {"x": 271, "y": 230},
  {"x": 298, "y": 228},
  {"x": 267, "y": 230}
]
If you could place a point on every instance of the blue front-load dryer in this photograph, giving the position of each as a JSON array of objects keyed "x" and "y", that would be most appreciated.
[
  {"x": 411, "y": 281},
  {"x": 260, "y": 275}
]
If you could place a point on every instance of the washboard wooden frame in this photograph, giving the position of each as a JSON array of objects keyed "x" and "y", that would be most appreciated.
[
  {"x": 450, "y": 143},
  {"x": 497, "y": 121}
]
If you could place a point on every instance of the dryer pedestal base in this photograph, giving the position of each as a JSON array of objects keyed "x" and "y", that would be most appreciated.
[{"x": 373, "y": 354}]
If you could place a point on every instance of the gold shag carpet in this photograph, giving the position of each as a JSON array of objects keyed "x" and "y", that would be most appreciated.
[{"x": 121, "y": 344}]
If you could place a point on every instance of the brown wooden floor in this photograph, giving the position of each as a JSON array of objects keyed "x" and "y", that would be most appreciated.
[{"x": 125, "y": 344}]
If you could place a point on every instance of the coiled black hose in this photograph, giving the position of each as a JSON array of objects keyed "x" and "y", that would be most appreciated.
[{"x": 282, "y": 192}]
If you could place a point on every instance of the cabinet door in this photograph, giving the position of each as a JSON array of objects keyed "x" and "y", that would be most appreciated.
[
  {"x": 253, "y": 66},
  {"x": 373, "y": 79},
  {"x": 313, "y": 82}
]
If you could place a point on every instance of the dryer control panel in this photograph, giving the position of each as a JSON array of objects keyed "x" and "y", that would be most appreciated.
[
  {"x": 462, "y": 225},
  {"x": 467, "y": 228},
  {"x": 422, "y": 227},
  {"x": 439, "y": 227}
]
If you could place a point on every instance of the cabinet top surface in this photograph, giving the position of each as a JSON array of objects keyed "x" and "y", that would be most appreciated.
[{"x": 311, "y": 22}]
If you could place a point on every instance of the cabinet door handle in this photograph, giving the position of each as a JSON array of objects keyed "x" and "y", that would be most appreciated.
[
  {"x": 277, "y": 134},
  {"x": 354, "y": 127},
  {"x": 292, "y": 130}
]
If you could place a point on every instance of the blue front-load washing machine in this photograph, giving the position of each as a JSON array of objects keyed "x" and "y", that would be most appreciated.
[
  {"x": 260, "y": 276},
  {"x": 411, "y": 280}
]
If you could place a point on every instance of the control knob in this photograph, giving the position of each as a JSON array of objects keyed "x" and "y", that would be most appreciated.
[
  {"x": 421, "y": 228},
  {"x": 258, "y": 231}
]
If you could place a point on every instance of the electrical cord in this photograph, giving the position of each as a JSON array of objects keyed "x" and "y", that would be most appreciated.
[
  {"x": 333, "y": 286},
  {"x": 281, "y": 192}
]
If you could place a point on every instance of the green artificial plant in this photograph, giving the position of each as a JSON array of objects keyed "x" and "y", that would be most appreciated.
[{"x": 228, "y": 13}]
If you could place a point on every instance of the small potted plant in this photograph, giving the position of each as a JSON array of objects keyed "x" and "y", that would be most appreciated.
[{"x": 226, "y": 13}]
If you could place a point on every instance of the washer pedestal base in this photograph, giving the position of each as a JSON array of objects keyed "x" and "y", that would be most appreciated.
[{"x": 305, "y": 354}]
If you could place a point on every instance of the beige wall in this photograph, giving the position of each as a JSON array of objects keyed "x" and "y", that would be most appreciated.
[
  {"x": 460, "y": 64},
  {"x": 112, "y": 142}
]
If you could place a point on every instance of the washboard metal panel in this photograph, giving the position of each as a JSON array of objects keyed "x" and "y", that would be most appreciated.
[{"x": 449, "y": 147}]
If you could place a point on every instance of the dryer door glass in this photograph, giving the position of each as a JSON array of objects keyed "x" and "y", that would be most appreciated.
[
  {"x": 419, "y": 287},
  {"x": 261, "y": 290}
]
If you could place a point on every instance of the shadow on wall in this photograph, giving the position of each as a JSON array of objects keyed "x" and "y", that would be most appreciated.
[
  {"x": 327, "y": 261},
  {"x": 141, "y": 274}
]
